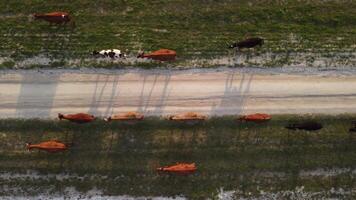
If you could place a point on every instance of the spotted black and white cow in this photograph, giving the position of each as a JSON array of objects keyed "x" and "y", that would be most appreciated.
[{"x": 112, "y": 53}]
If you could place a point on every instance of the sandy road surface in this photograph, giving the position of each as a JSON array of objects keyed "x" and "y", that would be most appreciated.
[{"x": 29, "y": 94}]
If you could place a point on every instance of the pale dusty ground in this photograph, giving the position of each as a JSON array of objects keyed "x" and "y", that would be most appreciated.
[{"x": 28, "y": 94}]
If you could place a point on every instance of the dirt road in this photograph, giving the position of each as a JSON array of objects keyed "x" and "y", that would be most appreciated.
[{"x": 43, "y": 94}]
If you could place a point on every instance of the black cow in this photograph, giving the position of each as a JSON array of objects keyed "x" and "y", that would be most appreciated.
[
  {"x": 353, "y": 128},
  {"x": 307, "y": 125},
  {"x": 248, "y": 43}
]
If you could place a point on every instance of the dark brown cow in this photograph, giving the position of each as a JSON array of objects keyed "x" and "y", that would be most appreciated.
[
  {"x": 54, "y": 17},
  {"x": 306, "y": 125},
  {"x": 248, "y": 43}
]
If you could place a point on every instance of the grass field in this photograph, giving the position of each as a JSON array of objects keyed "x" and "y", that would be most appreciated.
[
  {"x": 120, "y": 159},
  {"x": 195, "y": 29}
]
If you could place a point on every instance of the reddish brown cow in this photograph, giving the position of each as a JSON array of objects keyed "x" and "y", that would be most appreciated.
[
  {"x": 54, "y": 17},
  {"x": 179, "y": 168},
  {"x": 49, "y": 146},
  {"x": 77, "y": 118},
  {"x": 257, "y": 117},
  {"x": 161, "y": 55}
]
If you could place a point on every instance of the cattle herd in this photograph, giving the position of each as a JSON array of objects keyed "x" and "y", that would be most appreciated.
[
  {"x": 159, "y": 55},
  {"x": 190, "y": 117}
]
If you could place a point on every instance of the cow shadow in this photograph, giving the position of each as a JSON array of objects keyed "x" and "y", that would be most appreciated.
[
  {"x": 36, "y": 96},
  {"x": 235, "y": 94},
  {"x": 152, "y": 95},
  {"x": 102, "y": 102}
]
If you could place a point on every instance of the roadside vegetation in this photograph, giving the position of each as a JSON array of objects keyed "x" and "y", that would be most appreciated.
[
  {"x": 120, "y": 159},
  {"x": 198, "y": 30}
]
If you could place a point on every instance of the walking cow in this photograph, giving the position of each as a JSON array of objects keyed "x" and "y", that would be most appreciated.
[{"x": 54, "y": 17}]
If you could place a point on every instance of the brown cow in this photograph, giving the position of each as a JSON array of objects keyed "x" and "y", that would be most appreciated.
[
  {"x": 188, "y": 117},
  {"x": 49, "y": 146},
  {"x": 179, "y": 168},
  {"x": 129, "y": 116},
  {"x": 248, "y": 43},
  {"x": 257, "y": 117},
  {"x": 54, "y": 17},
  {"x": 77, "y": 118},
  {"x": 160, "y": 55}
]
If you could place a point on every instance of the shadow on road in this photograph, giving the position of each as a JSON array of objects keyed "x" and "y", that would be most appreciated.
[
  {"x": 36, "y": 95},
  {"x": 235, "y": 93}
]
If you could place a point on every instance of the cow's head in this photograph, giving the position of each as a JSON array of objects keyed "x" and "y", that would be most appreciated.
[
  {"x": 262, "y": 41},
  {"x": 28, "y": 146},
  {"x": 36, "y": 16},
  {"x": 233, "y": 45},
  {"x": 95, "y": 52},
  {"x": 140, "y": 54}
]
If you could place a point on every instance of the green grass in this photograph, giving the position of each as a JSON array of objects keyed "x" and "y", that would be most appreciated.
[
  {"x": 229, "y": 155},
  {"x": 195, "y": 29}
]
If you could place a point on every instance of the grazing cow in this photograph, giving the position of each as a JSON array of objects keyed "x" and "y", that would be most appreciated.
[
  {"x": 77, "y": 118},
  {"x": 49, "y": 146},
  {"x": 189, "y": 116},
  {"x": 258, "y": 117},
  {"x": 54, "y": 17},
  {"x": 129, "y": 116},
  {"x": 112, "y": 53},
  {"x": 307, "y": 125},
  {"x": 179, "y": 168},
  {"x": 160, "y": 55},
  {"x": 248, "y": 43}
]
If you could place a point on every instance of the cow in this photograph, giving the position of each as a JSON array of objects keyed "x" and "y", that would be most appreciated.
[
  {"x": 257, "y": 117},
  {"x": 179, "y": 168},
  {"x": 112, "y": 53},
  {"x": 53, "y": 17},
  {"x": 189, "y": 116},
  {"x": 306, "y": 125},
  {"x": 77, "y": 118},
  {"x": 129, "y": 116},
  {"x": 160, "y": 55},
  {"x": 49, "y": 146},
  {"x": 248, "y": 43}
]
